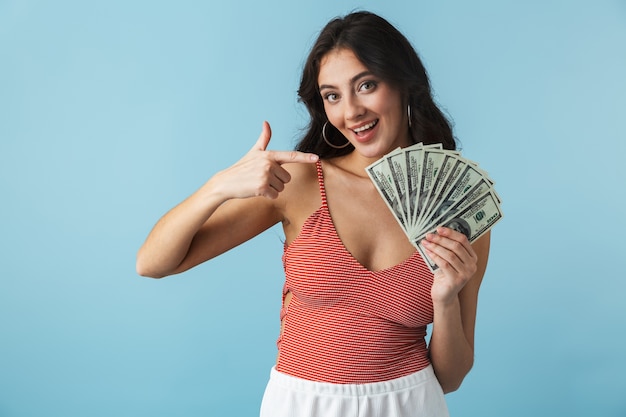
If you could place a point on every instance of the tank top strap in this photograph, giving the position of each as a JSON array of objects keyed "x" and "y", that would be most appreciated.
[{"x": 320, "y": 180}]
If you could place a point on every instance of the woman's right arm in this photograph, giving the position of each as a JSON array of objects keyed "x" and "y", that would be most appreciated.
[{"x": 233, "y": 206}]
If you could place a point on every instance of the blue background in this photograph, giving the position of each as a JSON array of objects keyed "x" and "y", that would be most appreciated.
[{"x": 111, "y": 112}]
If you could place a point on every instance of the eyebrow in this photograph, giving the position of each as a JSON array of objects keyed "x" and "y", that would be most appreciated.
[{"x": 352, "y": 80}]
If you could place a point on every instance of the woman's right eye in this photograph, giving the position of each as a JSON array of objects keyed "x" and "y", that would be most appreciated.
[{"x": 330, "y": 97}]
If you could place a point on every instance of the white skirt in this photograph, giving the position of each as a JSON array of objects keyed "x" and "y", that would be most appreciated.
[{"x": 415, "y": 395}]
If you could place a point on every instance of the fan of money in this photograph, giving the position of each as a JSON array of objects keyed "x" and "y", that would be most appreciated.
[{"x": 426, "y": 186}]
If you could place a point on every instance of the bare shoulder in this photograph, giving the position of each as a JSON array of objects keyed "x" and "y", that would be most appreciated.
[
  {"x": 300, "y": 198},
  {"x": 301, "y": 171},
  {"x": 303, "y": 178}
]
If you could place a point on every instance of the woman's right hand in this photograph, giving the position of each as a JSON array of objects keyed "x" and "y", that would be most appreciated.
[{"x": 259, "y": 172}]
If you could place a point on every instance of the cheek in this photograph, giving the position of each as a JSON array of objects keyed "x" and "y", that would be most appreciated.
[
  {"x": 395, "y": 111},
  {"x": 391, "y": 104},
  {"x": 334, "y": 115}
]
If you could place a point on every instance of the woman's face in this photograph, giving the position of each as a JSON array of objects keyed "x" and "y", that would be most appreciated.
[{"x": 364, "y": 108}]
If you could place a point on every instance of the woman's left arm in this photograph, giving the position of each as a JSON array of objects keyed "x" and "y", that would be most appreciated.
[{"x": 455, "y": 298}]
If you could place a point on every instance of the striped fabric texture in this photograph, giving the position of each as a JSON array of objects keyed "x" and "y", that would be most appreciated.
[{"x": 344, "y": 323}]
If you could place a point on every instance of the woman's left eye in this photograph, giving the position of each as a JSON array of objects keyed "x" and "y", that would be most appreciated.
[{"x": 368, "y": 85}]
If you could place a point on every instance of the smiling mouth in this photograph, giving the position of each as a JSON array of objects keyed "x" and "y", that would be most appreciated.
[{"x": 366, "y": 127}]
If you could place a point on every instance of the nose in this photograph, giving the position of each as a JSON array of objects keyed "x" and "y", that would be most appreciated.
[{"x": 353, "y": 108}]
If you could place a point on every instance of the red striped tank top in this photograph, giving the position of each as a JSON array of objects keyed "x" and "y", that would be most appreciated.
[{"x": 346, "y": 324}]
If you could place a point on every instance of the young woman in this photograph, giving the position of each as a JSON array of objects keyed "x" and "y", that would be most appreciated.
[{"x": 357, "y": 295}]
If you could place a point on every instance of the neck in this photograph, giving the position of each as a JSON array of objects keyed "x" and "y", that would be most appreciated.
[{"x": 354, "y": 163}]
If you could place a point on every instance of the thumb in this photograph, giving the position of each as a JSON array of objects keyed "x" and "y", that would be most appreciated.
[{"x": 264, "y": 138}]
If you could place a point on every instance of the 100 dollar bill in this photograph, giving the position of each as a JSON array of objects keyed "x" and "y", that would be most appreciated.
[{"x": 474, "y": 220}]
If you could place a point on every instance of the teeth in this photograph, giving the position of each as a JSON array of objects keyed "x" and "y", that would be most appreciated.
[{"x": 365, "y": 127}]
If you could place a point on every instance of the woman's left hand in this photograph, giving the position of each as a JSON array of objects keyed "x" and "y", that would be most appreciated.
[{"x": 457, "y": 262}]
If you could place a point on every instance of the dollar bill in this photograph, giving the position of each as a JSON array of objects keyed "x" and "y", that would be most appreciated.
[
  {"x": 398, "y": 170},
  {"x": 431, "y": 163},
  {"x": 473, "y": 221},
  {"x": 440, "y": 211},
  {"x": 444, "y": 174},
  {"x": 413, "y": 165},
  {"x": 380, "y": 174},
  {"x": 464, "y": 181}
]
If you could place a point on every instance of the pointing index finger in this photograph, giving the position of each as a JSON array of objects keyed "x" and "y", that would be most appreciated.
[{"x": 283, "y": 157}]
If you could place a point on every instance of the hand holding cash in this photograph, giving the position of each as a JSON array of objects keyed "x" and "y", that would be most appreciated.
[{"x": 426, "y": 186}]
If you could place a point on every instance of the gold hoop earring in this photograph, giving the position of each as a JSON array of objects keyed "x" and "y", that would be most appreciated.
[
  {"x": 328, "y": 142},
  {"x": 408, "y": 111}
]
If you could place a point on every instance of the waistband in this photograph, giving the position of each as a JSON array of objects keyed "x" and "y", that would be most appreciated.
[{"x": 373, "y": 388}]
